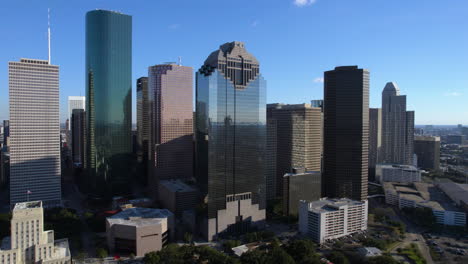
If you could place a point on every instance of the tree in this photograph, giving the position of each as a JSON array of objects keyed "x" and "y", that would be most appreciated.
[
  {"x": 229, "y": 244},
  {"x": 101, "y": 253},
  {"x": 151, "y": 258},
  {"x": 278, "y": 255},
  {"x": 385, "y": 259},
  {"x": 188, "y": 237},
  {"x": 338, "y": 258},
  {"x": 254, "y": 257},
  {"x": 301, "y": 249},
  {"x": 80, "y": 257}
]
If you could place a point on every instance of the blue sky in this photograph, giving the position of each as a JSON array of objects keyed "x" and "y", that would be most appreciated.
[{"x": 420, "y": 44}]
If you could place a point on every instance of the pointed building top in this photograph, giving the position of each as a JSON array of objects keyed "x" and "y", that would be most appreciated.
[{"x": 392, "y": 87}]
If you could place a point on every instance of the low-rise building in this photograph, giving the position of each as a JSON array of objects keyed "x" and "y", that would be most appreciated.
[
  {"x": 397, "y": 173},
  {"x": 369, "y": 252},
  {"x": 139, "y": 230},
  {"x": 300, "y": 185},
  {"x": 326, "y": 219},
  {"x": 29, "y": 243},
  {"x": 424, "y": 195},
  {"x": 177, "y": 196}
]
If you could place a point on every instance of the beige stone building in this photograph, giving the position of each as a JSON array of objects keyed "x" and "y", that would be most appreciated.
[
  {"x": 28, "y": 242},
  {"x": 139, "y": 230}
]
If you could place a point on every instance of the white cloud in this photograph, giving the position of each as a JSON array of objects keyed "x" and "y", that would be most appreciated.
[
  {"x": 301, "y": 3},
  {"x": 318, "y": 80},
  {"x": 453, "y": 94}
]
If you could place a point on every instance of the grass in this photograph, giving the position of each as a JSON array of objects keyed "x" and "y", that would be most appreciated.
[{"x": 412, "y": 252}]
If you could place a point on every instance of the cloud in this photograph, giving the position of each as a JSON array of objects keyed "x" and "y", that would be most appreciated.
[
  {"x": 174, "y": 26},
  {"x": 453, "y": 94},
  {"x": 318, "y": 80},
  {"x": 302, "y": 3}
]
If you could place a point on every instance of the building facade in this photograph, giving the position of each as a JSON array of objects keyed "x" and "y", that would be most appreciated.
[
  {"x": 427, "y": 150},
  {"x": 375, "y": 139},
  {"x": 171, "y": 122},
  {"x": 34, "y": 132},
  {"x": 75, "y": 102},
  {"x": 346, "y": 132},
  {"x": 109, "y": 106},
  {"x": 397, "y": 127},
  {"x": 143, "y": 125},
  {"x": 78, "y": 129},
  {"x": 298, "y": 138},
  {"x": 397, "y": 173},
  {"x": 231, "y": 140},
  {"x": 300, "y": 185},
  {"x": 177, "y": 196},
  {"x": 6, "y": 131},
  {"x": 29, "y": 243},
  {"x": 328, "y": 219}
]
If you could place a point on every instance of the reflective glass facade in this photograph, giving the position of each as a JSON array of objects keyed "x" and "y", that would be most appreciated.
[
  {"x": 109, "y": 91},
  {"x": 231, "y": 133}
]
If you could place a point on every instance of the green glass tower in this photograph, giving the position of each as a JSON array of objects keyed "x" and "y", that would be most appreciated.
[{"x": 109, "y": 111}]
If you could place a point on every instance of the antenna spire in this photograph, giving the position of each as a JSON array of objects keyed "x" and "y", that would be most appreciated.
[
  {"x": 180, "y": 61},
  {"x": 48, "y": 30}
]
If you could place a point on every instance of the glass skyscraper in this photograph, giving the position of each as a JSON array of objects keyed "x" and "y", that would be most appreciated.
[
  {"x": 109, "y": 95},
  {"x": 231, "y": 140}
]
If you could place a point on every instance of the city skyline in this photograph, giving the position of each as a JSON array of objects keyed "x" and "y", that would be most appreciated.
[{"x": 407, "y": 65}]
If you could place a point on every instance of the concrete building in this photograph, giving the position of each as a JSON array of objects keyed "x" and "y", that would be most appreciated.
[
  {"x": 75, "y": 102},
  {"x": 177, "y": 196},
  {"x": 375, "y": 140},
  {"x": 455, "y": 139},
  {"x": 298, "y": 138},
  {"x": 397, "y": 173},
  {"x": 346, "y": 132},
  {"x": 397, "y": 127},
  {"x": 427, "y": 150},
  {"x": 78, "y": 129},
  {"x": 139, "y": 230},
  {"x": 170, "y": 89},
  {"x": 327, "y": 219},
  {"x": 424, "y": 195},
  {"x": 29, "y": 243},
  {"x": 231, "y": 141},
  {"x": 300, "y": 185},
  {"x": 34, "y": 132},
  {"x": 272, "y": 191},
  {"x": 457, "y": 192}
]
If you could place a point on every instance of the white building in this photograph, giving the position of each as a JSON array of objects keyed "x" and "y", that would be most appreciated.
[
  {"x": 34, "y": 132},
  {"x": 420, "y": 195},
  {"x": 75, "y": 102},
  {"x": 28, "y": 242},
  {"x": 397, "y": 173},
  {"x": 332, "y": 218}
]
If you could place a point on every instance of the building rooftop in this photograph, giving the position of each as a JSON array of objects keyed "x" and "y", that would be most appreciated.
[
  {"x": 302, "y": 173},
  {"x": 426, "y": 138},
  {"x": 457, "y": 192},
  {"x": 177, "y": 186},
  {"x": 27, "y": 205},
  {"x": 398, "y": 166},
  {"x": 369, "y": 251},
  {"x": 329, "y": 205},
  {"x": 139, "y": 216}
]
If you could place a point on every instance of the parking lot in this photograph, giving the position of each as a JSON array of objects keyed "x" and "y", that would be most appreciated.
[{"x": 448, "y": 249}]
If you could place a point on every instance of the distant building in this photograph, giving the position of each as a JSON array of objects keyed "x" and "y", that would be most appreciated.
[
  {"x": 424, "y": 195},
  {"x": 272, "y": 191},
  {"x": 317, "y": 103},
  {"x": 139, "y": 230},
  {"x": 300, "y": 185},
  {"x": 427, "y": 149},
  {"x": 332, "y": 218},
  {"x": 78, "y": 129},
  {"x": 375, "y": 139},
  {"x": 397, "y": 173},
  {"x": 457, "y": 192},
  {"x": 346, "y": 132},
  {"x": 143, "y": 125},
  {"x": 455, "y": 139},
  {"x": 367, "y": 252},
  {"x": 4, "y": 168},
  {"x": 75, "y": 102},
  {"x": 6, "y": 131},
  {"x": 170, "y": 88},
  {"x": 29, "y": 243},
  {"x": 298, "y": 138},
  {"x": 177, "y": 196},
  {"x": 397, "y": 127},
  {"x": 35, "y": 164}
]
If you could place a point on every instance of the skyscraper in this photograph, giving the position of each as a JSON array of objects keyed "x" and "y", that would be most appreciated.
[
  {"x": 346, "y": 132},
  {"x": 143, "y": 125},
  {"x": 109, "y": 96},
  {"x": 6, "y": 131},
  {"x": 34, "y": 132},
  {"x": 75, "y": 102},
  {"x": 298, "y": 138},
  {"x": 397, "y": 127},
  {"x": 231, "y": 139},
  {"x": 427, "y": 150},
  {"x": 375, "y": 139},
  {"x": 171, "y": 122},
  {"x": 78, "y": 121}
]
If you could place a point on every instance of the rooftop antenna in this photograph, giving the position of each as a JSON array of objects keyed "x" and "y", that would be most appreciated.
[
  {"x": 180, "y": 61},
  {"x": 48, "y": 30}
]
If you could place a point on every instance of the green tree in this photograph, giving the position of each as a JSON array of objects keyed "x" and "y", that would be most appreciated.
[
  {"x": 188, "y": 237},
  {"x": 229, "y": 244},
  {"x": 301, "y": 249},
  {"x": 338, "y": 258},
  {"x": 280, "y": 256},
  {"x": 101, "y": 253},
  {"x": 151, "y": 258},
  {"x": 385, "y": 259},
  {"x": 254, "y": 257},
  {"x": 80, "y": 257}
]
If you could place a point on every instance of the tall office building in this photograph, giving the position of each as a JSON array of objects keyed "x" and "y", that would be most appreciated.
[
  {"x": 6, "y": 131},
  {"x": 75, "y": 102},
  {"x": 427, "y": 150},
  {"x": 109, "y": 102},
  {"x": 34, "y": 132},
  {"x": 231, "y": 140},
  {"x": 397, "y": 127},
  {"x": 272, "y": 191},
  {"x": 143, "y": 126},
  {"x": 171, "y": 122},
  {"x": 346, "y": 132},
  {"x": 78, "y": 125},
  {"x": 375, "y": 139},
  {"x": 298, "y": 138}
]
